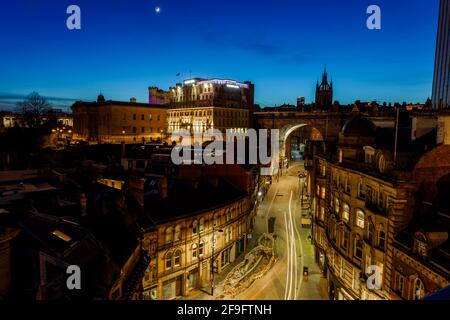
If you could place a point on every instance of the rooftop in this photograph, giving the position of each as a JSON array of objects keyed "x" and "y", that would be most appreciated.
[{"x": 185, "y": 198}]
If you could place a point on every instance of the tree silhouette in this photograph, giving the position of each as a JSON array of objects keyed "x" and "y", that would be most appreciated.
[{"x": 33, "y": 108}]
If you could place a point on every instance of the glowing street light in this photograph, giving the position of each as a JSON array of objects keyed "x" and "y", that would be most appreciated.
[{"x": 302, "y": 179}]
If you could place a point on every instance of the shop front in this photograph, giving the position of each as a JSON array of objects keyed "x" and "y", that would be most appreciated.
[{"x": 172, "y": 288}]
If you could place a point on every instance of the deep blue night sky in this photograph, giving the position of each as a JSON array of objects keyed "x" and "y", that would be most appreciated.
[{"x": 282, "y": 46}]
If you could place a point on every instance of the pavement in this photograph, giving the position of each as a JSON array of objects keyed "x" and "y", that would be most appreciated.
[{"x": 285, "y": 280}]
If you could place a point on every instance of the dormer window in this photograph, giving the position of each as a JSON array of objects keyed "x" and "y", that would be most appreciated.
[
  {"x": 421, "y": 244},
  {"x": 369, "y": 154},
  {"x": 421, "y": 248}
]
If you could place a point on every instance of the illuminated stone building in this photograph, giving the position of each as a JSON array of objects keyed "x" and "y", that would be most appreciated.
[
  {"x": 363, "y": 196},
  {"x": 107, "y": 121},
  {"x": 11, "y": 119},
  {"x": 194, "y": 224},
  {"x": 421, "y": 252},
  {"x": 201, "y": 104}
]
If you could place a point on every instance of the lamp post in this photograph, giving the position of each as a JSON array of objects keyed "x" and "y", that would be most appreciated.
[
  {"x": 302, "y": 178},
  {"x": 212, "y": 257},
  {"x": 123, "y": 136}
]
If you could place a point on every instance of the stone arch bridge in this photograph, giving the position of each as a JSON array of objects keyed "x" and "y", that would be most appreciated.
[{"x": 329, "y": 124}]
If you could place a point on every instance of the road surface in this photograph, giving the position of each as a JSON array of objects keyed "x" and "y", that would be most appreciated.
[{"x": 285, "y": 280}]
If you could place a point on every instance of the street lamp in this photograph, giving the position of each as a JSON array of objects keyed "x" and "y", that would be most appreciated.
[
  {"x": 302, "y": 178},
  {"x": 123, "y": 134},
  {"x": 212, "y": 258}
]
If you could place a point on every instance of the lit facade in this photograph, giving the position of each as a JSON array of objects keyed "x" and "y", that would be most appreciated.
[
  {"x": 374, "y": 212},
  {"x": 356, "y": 215},
  {"x": 116, "y": 121},
  {"x": 183, "y": 250},
  {"x": 174, "y": 257},
  {"x": 359, "y": 203},
  {"x": 201, "y": 104},
  {"x": 10, "y": 119}
]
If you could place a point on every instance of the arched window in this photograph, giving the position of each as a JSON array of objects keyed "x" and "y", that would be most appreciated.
[
  {"x": 177, "y": 258},
  {"x": 195, "y": 227},
  {"x": 168, "y": 260},
  {"x": 419, "y": 289},
  {"x": 177, "y": 235},
  {"x": 361, "y": 190},
  {"x": 345, "y": 212},
  {"x": 381, "y": 236},
  {"x": 150, "y": 274},
  {"x": 201, "y": 249},
  {"x": 336, "y": 205},
  {"x": 358, "y": 245},
  {"x": 228, "y": 216},
  {"x": 202, "y": 225},
  {"x": 360, "y": 216},
  {"x": 169, "y": 234},
  {"x": 194, "y": 251}
]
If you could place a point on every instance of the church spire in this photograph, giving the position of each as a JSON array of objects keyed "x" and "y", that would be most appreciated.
[
  {"x": 325, "y": 75},
  {"x": 324, "y": 91}
]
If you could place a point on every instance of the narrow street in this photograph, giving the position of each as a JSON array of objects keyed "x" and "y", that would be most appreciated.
[{"x": 285, "y": 281}]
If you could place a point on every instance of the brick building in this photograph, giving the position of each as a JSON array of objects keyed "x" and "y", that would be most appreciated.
[
  {"x": 194, "y": 223},
  {"x": 364, "y": 195},
  {"x": 107, "y": 121}
]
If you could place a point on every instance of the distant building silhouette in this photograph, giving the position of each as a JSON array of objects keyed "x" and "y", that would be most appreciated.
[{"x": 324, "y": 91}]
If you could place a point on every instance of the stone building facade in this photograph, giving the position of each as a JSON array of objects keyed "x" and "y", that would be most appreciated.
[
  {"x": 201, "y": 104},
  {"x": 182, "y": 252},
  {"x": 116, "y": 121},
  {"x": 362, "y": 200}
]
